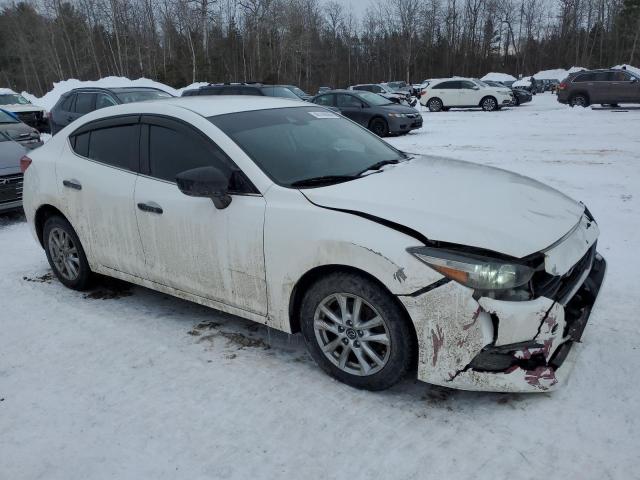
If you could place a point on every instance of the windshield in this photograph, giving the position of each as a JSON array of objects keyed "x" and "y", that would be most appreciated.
[
  {"x": 141, "y": 95},
  {"x": 13, "y": 99},
  {"x": 7, "y": 118},
  {"x": 480, "y": 82},
  {"x": 387, "y": 89},
  {"x": 298, "y": 92},
  {"x": 295, "y": 144},
  {"x": 279, "y": 92},
  {"x": 374, "y": 99}
]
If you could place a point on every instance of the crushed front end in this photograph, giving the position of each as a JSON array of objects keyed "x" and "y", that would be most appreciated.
[{"x": 520, "y": 343}]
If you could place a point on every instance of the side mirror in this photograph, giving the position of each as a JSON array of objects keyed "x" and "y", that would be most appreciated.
[
  {"x": 364, "y": 105},
  {"x": 475, "y": 87},
  {"x": 206, "y": 182},
  {"x": 634, "y": 79}
]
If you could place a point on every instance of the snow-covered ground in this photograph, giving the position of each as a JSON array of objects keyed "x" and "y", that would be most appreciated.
[{"x": 122, "y": 382}]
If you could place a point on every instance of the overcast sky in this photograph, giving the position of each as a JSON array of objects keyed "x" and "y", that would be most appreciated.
[{"x": 359, "y": 6}]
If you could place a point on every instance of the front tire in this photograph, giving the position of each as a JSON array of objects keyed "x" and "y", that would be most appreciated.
[
  {"x": 65, "y": 253},
  {"x": 356, "y": 332},
  {"x": 489, "y": 104},
  {"x": 379, "y": 126}
]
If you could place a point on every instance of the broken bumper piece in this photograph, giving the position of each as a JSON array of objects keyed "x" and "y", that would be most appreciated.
[{"x": 502, "y": 346}]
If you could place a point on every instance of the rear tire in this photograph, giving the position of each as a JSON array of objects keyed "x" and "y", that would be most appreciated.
[
  {"x": 579, "y": 100},
  {"x": 65, "y": 253},
  {"x": 379, "y": 126},
  {"x": 435, "y": 105},
  {"x": 338, "y": 313}
]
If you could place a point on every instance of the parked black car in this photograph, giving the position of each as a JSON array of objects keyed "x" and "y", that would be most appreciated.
[
  {"x": 372, "y": 111},
  {"x": 10, "y": 174},
  {"x": 18, "y": 131},
  {"x": 243, "y": 89},
  {"x": 607, "y": 87},
  {"x": 519, "y": 94},
  {"x": 80, "y": 101}
]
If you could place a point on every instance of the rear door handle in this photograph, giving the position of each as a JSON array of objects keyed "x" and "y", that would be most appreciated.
[
  {"x": 150, "y": 207},
  {"x": 74, "y": 184}
]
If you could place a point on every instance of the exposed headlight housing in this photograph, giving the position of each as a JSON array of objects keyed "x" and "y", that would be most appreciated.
[{"x": 474, "y": 271}]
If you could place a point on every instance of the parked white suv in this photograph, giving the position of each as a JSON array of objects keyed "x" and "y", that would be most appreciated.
[
  {"x": 293, "y": 216},
  {"x": 464, "y": 93}
]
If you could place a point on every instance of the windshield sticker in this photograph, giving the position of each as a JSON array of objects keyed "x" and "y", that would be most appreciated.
[{"x": 324, "y": 115}]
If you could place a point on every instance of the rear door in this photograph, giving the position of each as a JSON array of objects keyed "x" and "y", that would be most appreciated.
[
  {"x": 188, "y": 243},
  {"x": 96, "y": 179},
  {"x": 62, "y": 113}
]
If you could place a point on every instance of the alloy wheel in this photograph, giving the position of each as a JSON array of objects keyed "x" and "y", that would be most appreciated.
[
  {"x": 489, "y": 104},
  {"x": 352, "y": 334},
  {"x": 64, "y": 254}
]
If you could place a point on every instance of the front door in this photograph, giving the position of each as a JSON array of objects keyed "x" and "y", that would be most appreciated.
[
  {"x": 352, "y": 107},
  {"x": 188, "y": 243}
]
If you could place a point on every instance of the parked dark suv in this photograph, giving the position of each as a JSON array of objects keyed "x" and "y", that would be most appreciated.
[
  {"x": 243, "y": 89},
  {"x": 80, "y": 101},
  {"x": 607, "y": 87}
]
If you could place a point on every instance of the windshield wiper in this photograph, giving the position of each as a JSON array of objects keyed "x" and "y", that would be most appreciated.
[
  {"x": 323, "y": 180},
  {"x": 378, "y": 166}
]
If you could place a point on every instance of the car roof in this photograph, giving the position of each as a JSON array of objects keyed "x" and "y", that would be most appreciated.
[
  {"x": 209, "y": 106},
  {"x": 113, "y": 90}
]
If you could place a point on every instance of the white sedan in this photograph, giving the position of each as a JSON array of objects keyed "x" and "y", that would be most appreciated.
[
  {"x": 464, "y": 93},
  {"x": 290, "y": 215}
]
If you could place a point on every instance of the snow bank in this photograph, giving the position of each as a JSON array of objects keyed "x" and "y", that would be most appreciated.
[
  {"x": 499, "y": 77},
  {"x": 523, "y": 82},
  {"x": 59, "y": 88},
  {"x": 556, "y": 74},
  {"x": 6, "y": 91},
  {"x": 632, "y": 69}
]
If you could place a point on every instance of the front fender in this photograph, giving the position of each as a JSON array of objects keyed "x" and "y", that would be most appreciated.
[{"x": 300, "y": 237}]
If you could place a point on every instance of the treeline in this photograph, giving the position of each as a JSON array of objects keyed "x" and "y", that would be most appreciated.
[{"x": 307, "y": 42}]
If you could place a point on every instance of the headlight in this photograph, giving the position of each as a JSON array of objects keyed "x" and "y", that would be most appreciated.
[
  {"x": 397, "y": 115},
  {"x": 475, "y": 271}
]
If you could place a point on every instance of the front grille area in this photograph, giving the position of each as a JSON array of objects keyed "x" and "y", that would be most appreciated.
[
  {"x": 10, "y": 188},
  {"x": 557, "y": 287}
]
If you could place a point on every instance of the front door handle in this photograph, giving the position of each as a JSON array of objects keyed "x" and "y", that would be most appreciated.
[
  {"x": 150, "y": 207},
  {"x": 74, "y": 184}
]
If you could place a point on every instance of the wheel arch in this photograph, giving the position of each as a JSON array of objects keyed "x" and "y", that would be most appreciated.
[
  {"x": 375, "y": 117},
  {"x": 488, "y": 96},
  {"x": 311, "y": 276},
  {"x": 44, "y": 212}
]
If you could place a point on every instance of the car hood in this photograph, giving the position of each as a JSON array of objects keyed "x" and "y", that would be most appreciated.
[
  {"x": 397, "y": 108},
  {"x": 16, "y": 107},
  {"x": 10, "y": 155},
  {"x": 18, "y": 131},
  {"x": 459, "y": 202}
]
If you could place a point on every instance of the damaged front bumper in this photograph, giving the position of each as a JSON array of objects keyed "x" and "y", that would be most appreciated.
[{"x": 502, "y": 346}]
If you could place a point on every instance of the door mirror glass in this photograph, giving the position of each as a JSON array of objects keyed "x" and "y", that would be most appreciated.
[{"x": 206, "y": 182}]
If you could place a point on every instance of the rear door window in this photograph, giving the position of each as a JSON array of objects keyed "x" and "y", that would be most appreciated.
[
  {"x": 348, "y": 101},
  {"x": 584, "y": 77},
  {"x": 115, "y": 146},
  {"x": 85, "y": 103}
]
